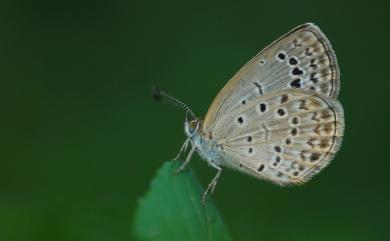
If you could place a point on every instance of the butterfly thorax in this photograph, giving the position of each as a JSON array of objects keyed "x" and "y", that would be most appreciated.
[{"x": 207, "y": 148}]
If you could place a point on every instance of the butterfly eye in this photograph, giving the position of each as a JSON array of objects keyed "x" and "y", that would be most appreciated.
[{"x": 193, "y": 126}]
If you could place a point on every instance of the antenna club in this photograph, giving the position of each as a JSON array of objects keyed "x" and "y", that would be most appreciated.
[{"x": 156, "y": 94}]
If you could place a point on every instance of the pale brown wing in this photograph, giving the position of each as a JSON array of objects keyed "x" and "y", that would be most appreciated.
[
  {"x": 302, "y": 59},
  {"x": 285, "y": 136}
]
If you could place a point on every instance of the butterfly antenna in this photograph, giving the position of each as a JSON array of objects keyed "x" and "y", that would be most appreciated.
[{"x": 160, "y": 95}]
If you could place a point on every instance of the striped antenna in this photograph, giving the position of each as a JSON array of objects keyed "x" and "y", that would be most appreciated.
[{"x": 160, "y": 95}]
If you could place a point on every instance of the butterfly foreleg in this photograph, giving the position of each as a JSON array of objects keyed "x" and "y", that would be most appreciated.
[
  {"x": 188, "y": 159},
  {"x": 183, "y": 148},
  {"x": 213, "y": 182}
]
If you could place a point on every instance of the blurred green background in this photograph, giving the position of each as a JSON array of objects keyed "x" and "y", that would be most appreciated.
[{"x": 81, "y": 137}]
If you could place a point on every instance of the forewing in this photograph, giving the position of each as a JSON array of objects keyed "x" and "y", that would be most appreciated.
[
  {"x": 302, "y": 59},
  {"x": 285, "y": 136}
]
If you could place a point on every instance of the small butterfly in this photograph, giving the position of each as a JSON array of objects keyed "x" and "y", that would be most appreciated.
[{"x": 278, "y": 118}]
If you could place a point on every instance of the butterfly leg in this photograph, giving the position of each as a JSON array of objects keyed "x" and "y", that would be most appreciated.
[
  {"x": 213, "y": 182},
  {"x": 188, "y": 159},
  {"x": 183, "y": 148}
]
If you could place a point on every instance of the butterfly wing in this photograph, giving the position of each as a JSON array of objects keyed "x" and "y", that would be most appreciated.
[
  {"x": 285, "y": 136},
  {"x": 303, "y": 59}
]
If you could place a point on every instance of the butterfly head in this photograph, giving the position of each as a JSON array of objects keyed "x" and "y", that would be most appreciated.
[{"x": 192, "y": 127}]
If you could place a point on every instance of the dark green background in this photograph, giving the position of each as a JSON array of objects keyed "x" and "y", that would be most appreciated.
[{"x": 81, "y": 138}]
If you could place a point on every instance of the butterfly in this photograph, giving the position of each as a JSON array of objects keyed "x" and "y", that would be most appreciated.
[{"x": 278, "y": 118}]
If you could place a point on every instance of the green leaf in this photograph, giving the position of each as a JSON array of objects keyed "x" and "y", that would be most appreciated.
[{"x": 173, "y": 210}]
